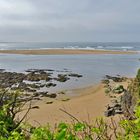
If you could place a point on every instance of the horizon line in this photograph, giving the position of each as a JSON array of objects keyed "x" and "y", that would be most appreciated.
[{"x": 70, "y": 42}]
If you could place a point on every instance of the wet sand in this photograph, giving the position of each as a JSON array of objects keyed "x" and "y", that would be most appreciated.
[
  {"x": 63, "y": 52},
  {"x": 90, "y": 104}
]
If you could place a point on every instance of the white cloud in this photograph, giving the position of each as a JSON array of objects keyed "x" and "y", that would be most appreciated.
[
  {"x": 60, "y": 19},
  {"x": 17, "y": 7}
]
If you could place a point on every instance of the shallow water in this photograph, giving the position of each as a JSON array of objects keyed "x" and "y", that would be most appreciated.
[{"x": 92, "y": 67}]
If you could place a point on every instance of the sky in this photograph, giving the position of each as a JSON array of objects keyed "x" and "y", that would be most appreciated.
[{"x": 70, "y": 20}]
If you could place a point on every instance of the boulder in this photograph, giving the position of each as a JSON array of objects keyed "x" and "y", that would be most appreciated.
[
  {"x": 53, "y": 95},
  {"x": 109, "y": 112},
  {"x": 50, "y": 85},
  {"x": 62, "y": 78},
  {"x": 115, "y": 78},
  {"x": 75, "y": 75}
]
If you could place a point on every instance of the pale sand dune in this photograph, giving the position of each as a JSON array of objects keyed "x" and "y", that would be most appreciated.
[{"x": 63, "y": 52}]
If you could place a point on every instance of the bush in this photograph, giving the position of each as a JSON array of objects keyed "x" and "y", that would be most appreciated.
[
  {"x": 138, "y": 75},
  {"x": 107, "y": 90}
]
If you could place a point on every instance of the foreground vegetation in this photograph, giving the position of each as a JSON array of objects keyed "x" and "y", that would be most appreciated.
[{"x": 12, "y": 128}]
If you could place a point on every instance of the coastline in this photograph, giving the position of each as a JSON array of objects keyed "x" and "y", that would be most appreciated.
[
  {"x": 89, "y": 105},
  {"x": 64, "y": 52}
]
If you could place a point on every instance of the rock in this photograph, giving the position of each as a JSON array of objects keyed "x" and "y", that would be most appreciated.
[
  {"x": 117, "y": 106},
  {"x": 43, "y": 85},
  {"x": 36, "y": 94},
  {"x": 32, "y": 76},
  {"x": 49, "y": 70},
  {"x": 38, "y": 70},
  {"x": 32, "y": 80},
  {"x": 114, "y": 101},
  {"x": 8, "y": 79},
  {"x": 36, "y": 98},
  {"x": 61, "y": 92},
  {"x": 50, "y": 85},
  {"x": 30, "y": 90},
  {"x": 67, "y": 99},
  {"x": 49, "y": 102},
  {"x": 112, "y": 110},
  {"x": 42, "y": 72},
  {"x": 112, "y": 96},
  {"x": 75, "y": 75},
  {"x": 62, "y": 78},
  {"x": 53, "y": 95},
  {"x": 15, "y": 88},
  {"x": 27, "y": 95},
  {"x": 105, "y": 81},
  {"x": 43, "y": 94},
  {"x": 109, "y": 112},
  {"x": 22, "y": 85},
  {"x": 126, "y": 102},
  {"x": 35, "y": 107},
  {"x": 118, "y": 112},
  {"x": 119, "y": 99},
  {"x": 115, "y": 79},
  {"x": 34, "y": 86}
]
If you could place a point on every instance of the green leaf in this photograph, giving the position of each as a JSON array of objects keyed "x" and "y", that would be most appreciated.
[
  {"x": 61, "y": 135},
  {"x": 96, "y": 130},
  {"x": 79, "y": 127},
  {"x": 62, "y": 126}
]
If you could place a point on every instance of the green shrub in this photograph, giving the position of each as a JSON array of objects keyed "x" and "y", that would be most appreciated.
[
  {"x": 107, "y": 90},
  {"x": 42, "y": 133},
  {"x": 138, "y": 75}
]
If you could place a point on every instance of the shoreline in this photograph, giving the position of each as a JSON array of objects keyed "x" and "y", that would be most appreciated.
[
  {"x": 90, "y": 104},
  {"x": 64, "y": 52},
  {"x": 79, "y": 106}
]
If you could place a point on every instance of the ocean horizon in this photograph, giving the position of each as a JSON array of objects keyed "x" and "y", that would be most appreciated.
[{"x": 115, "y": 46}]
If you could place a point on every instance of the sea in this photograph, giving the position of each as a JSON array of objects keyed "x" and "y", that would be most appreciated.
[
  {"x": 122, "y": 46},
  {"x": 93, "y": 67}
]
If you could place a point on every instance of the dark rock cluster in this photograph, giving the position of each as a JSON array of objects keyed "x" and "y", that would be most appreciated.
[
  {"x": 115, "y": 78},
  {"x": 121, "y": 103},
  {"x": 113, "y": 110},
  {"x": 125, "y": 106},
  {"x": 31, "y": 80}
]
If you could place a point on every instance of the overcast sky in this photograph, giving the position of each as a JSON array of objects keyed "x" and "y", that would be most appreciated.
[{"x": 69, "y": 20}]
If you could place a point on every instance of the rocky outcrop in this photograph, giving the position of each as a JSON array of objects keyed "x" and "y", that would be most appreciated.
[
  {"x": 62, "y": 78},
  {"x": 116, "y": 108},
  {"x": 115, "y": 78},
  {"x": 50, "y": 85},
  {"x": 121, "y": 99},
  {"x": 127, "y": 103},
  {"x": 75, "y": 75},
  {"x": 18, "y": 81}
]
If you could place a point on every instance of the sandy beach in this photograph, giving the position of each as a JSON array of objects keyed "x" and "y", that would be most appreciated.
[
  {"x": 64, "y": 51},
  {"x": 90, "y": 104}
]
